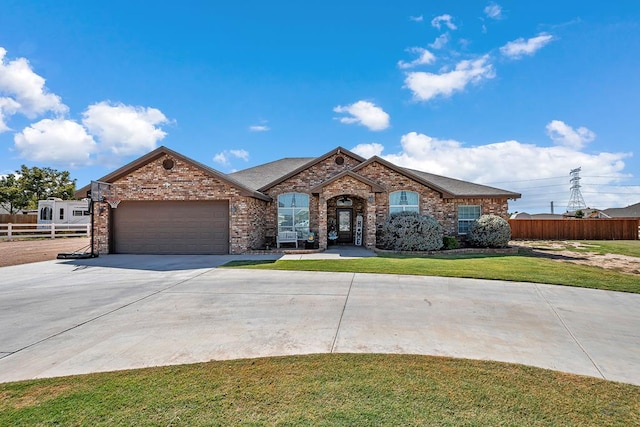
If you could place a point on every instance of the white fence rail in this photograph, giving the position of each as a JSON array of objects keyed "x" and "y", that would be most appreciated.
[{"x": 23, "y": 231}]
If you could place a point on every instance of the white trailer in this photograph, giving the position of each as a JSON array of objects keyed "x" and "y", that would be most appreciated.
[{"x": 58, "y": 211}]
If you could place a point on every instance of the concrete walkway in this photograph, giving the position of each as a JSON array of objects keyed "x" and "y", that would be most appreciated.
[{"x": 120, "y": 312}]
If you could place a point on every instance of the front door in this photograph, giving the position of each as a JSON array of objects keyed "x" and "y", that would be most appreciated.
[{"x": 345, "y": 225}]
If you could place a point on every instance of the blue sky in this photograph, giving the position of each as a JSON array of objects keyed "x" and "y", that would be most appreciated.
[{"x": 511, "y": 94}]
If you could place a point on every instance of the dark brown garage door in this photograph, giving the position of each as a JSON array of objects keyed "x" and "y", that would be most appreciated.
[{"x": 171, "y": 227}]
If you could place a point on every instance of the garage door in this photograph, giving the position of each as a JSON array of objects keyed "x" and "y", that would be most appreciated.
[{"x": 171, "y": 227}]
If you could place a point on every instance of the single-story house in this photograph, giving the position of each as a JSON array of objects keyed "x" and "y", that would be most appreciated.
[
  {"x": 170, "y": 204},
  {"x": 631, "y": 211}
]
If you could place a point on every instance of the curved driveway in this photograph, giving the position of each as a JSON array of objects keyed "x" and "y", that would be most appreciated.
[{"x": 119, "y": 312}]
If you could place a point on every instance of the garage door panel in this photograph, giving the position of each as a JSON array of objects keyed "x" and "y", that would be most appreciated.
[{"x": 171, "y": 227}]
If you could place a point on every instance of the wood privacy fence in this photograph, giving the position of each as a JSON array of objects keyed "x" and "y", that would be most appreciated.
[
  {"x": 18, "y": 219},
  {"x": 575, "y": 229}
]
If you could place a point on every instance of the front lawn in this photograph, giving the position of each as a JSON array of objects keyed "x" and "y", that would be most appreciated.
[
  {"x": 330, "y": 389},
  {"x": 519, "y": 268}
]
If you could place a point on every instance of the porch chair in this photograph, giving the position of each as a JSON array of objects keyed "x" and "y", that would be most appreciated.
[{"x": 287, "y": 237}]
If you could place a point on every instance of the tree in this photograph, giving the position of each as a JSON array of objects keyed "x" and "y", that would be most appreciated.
[
  {"x": 23, "y": 189},
  {"x": 12, "y": 197}
]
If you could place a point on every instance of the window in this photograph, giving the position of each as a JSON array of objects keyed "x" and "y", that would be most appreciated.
[
  {"x": 77, "y": 213},
  {"x": 46, "y": 214},
  {"x": 403, "y": 201},
  {"x": 293, "y": 213},
  {"x": 61, "y": 213},
  {"x": 466, "y": 216}
]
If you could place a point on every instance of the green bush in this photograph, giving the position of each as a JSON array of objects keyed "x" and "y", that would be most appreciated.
[
  {"x": 410, "y": 231},
  {"x": 489, "y": 231},
  {"x": 450, "y": 243}
]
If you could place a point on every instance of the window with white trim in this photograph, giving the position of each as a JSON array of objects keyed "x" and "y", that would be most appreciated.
[
  {"x": 293, "y": 213},
  {"x": 403, "y": 201},
  {"x": 466, "y": 216}
]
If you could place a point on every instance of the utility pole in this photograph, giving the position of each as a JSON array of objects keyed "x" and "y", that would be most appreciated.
[{"x": 576, "y": 201}]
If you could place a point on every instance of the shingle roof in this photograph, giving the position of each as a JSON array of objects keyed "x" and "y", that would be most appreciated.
[
  {"x": 632, "y": 211},
  {"x": 160, "y": 151},
  {"x": 259, "y": 176},
  {"x": 463, "y": 188}
]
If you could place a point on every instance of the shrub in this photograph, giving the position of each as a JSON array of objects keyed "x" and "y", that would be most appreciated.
[
  {"x": 450, "y": 243},
  {"x": 410, "y": 231},
  {"x": 489, "y": 231}
]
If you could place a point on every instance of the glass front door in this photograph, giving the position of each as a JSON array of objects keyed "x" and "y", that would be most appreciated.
[{"x": 345, "y": 225}]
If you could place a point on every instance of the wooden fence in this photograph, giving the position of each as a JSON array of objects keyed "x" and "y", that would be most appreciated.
[
  {"x": 22, "y": 231},
  {"x": 18, "y": 219},
  {"x": 575, "y": 229}
]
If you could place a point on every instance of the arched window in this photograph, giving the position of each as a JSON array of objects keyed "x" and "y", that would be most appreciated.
[
  {"x": 46, "y": 214},
  {"x": 403, "y": 201},
  {"x": 293, "y": 213}
]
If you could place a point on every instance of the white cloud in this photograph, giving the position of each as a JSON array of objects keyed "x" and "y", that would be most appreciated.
[
  {"x": 8, "y": 107},
  {"x": 259, "y": 128},
  {"x": 516, "y": 166},
  {"x": 23, "y": 91},
  {"x": 56, "y": 141},
  {"x": 424, "y": 58},
  {"x": 520, "y": 47},
  {"x": 368, "y": 150},
  {"x": 124, "y": 129},
  {"x": 364, "y": 113},
  {"x": 445, "y": 19},
  {"x": 563, "y": 134},
  {"x": 440, "y": 41},
  {"x": 224, "y": 157},
  {"x": 493, "y": 11},
  {"x": 416, "y": 18},
  {"x": 426, "y": 86}
]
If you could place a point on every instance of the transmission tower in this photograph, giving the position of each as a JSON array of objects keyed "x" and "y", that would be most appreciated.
[{"x": 576, "y": 201}]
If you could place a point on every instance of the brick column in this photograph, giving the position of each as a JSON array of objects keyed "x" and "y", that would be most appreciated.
[
  {"x": 322, "y": 222},
  {"x": 370, "y": 222}
]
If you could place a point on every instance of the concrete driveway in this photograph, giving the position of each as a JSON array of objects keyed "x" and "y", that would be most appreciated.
[{"x": 120, "y": 312}]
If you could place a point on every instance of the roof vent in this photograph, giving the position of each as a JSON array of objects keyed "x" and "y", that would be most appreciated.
[
  {"x": 339, "y": 160},
  {"x": 168, "y": 164}
]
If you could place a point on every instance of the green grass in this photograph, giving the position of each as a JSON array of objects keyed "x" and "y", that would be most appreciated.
[
  {"x": 619, "y": 247},
  {"x": 520, "y": 268},
  {"x": 330, "y": 389}
]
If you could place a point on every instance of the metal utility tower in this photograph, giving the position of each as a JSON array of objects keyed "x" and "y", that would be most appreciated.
[{"x": 576, "y": 201}]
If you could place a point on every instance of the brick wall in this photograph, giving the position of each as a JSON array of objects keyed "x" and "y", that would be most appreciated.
[
  {"x": 253, "y": 221},
  {"x": 303, "y": 182},
  {"x": 185, "y": 181}
]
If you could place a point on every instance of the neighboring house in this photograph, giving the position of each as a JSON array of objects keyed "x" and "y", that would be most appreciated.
[
  {"x": 172, "y": 204},
  {"x": 632, "y": 211}
]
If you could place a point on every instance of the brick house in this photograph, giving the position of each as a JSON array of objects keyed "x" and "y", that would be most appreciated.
[{"x": 172, "y": 204}]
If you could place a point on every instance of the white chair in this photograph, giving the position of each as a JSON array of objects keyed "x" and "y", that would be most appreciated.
[{"x": 287, "y": 237}]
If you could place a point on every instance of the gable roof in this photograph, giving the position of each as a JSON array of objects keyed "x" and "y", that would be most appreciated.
[
  {"x": 161, "y": 151},
  {"x": 312, "y": 162},
  {"x": 405, "y": 172},
  {"x": 261, "y": 175},
  {"x": 253, "y": 181},
  {"x": 375, "y": 187}
]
